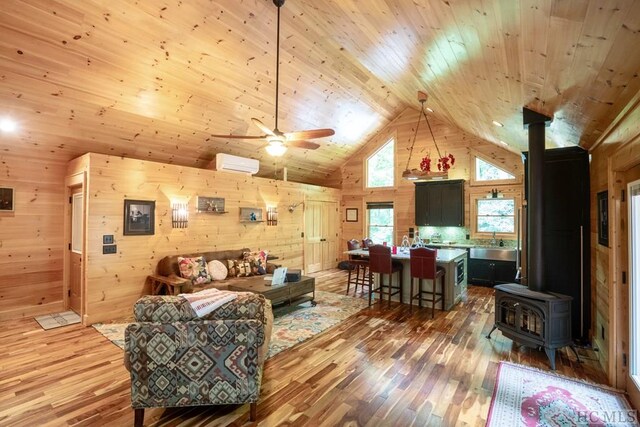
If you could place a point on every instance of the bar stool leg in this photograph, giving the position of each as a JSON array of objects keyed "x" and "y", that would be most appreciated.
[
  {"x": 370, "y": 286},
  {"x": 433, "y": 299}
]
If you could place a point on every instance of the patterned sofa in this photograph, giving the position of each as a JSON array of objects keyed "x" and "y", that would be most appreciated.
[
  {"x": 176, "y": 359},
  {"x": 168, "y": 270}
]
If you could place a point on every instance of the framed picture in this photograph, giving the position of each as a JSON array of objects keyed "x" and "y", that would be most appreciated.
[
  {"x": 139, "y": 217},
  {"x": 603, "y": 218},
  {"x": 6, "y": 199},
  {"x": 352, "y": 214},
  {"x": 211, "y": 204}
]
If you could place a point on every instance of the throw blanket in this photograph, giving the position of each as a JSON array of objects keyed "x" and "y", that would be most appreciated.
[{"x": 206, "y": 301}]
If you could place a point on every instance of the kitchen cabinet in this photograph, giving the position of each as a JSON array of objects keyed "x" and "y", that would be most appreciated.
[
  {"x": 440, "y": 203},
  {"x": 491, "y": 272}
]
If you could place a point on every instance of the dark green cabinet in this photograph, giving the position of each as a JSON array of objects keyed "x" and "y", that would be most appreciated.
[
  {"x": 490, "y": 272},
  {"x": 440, "y": 203}
]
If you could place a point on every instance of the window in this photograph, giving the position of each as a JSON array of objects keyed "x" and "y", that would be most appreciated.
[
  {"x": 486, "y": 171},
  {"x": 380, "y": 222},
  {"x": 495, "y": 215},
  {"x": 380, "y": 166}
]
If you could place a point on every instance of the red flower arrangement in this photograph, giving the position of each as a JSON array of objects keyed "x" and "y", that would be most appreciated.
[{"x": 444, "y": 163}]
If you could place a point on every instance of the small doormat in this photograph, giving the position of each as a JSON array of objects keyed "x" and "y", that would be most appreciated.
[
  {"x": 50, "y": 321},
  {"x": 525, "y": 396}
]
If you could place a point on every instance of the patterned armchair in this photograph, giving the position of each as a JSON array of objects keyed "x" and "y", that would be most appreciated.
[{"x": 178, "y": 359}]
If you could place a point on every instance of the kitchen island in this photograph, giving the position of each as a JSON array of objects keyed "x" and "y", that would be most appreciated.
[{"x": 454, "y": 262}]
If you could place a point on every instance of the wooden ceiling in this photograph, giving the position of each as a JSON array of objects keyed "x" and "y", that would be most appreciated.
[{"x": 154, "y": 79}]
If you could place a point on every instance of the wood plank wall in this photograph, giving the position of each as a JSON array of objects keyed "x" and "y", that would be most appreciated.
[
  {"x": 115, "y": 282},
  {"x": 618, "y": 145},
  {"x": 599, "y": 257},
  {"x": 450, "y": 139},
  {"x": 31, "y": 238}
]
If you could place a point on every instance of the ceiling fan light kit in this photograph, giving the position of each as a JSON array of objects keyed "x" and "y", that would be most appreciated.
[
  {"x": 278, "y": 141},
  {"x": 276, "y": 148}
]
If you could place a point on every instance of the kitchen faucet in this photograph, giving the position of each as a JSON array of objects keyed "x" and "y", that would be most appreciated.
[{"x": 493, "y": 240}]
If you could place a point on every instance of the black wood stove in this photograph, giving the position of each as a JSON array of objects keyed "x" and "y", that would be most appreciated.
[{"x": 530, "y": 315}]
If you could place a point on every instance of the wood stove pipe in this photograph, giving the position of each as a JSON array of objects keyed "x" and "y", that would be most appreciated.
[{"x": 535, "y": 123}]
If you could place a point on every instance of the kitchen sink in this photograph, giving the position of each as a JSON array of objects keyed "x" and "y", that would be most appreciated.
[{"x": 494, "y": 254}]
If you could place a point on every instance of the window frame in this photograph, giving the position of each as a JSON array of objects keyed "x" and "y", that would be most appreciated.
[
  {"x": 368, "y": 210},
  {"x": 387, "y": 140},
  {"x": 514, "y": 195},
  {"x": 495, "y": 182}
]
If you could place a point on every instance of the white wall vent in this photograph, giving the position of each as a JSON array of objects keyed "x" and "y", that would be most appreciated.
[{"x": 229, "y": 163}]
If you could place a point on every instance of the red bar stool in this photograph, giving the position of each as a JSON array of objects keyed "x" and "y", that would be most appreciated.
[
  {"x": 380, "y": 262},
  {"x": 423, "y": 267},
  {"x": 360, "y": 266}
]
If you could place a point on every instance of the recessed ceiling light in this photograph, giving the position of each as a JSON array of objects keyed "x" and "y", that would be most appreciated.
[
  {"x": 429, "y": 109},
  {"x": 7, "y": 125},
  {"x": 503, "y": 143},
  {"x": 497, "y": 123}
]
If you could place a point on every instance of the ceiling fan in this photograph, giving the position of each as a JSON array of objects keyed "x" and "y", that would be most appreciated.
[{"x": 279, "y": 141}]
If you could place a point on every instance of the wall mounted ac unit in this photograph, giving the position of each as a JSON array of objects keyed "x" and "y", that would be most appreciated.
[{"x": 229, "y": 163}]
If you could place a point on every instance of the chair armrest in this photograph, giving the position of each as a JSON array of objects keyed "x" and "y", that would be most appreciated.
[
  {"x": 167, "y": 309},
  {"x": 194, "y": 363}
]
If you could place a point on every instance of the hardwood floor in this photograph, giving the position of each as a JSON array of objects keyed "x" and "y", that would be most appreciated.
[{"x": 380, "y": 367}]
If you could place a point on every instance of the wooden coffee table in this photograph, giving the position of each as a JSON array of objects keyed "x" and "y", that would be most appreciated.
[{"x": 290, "y": 293}]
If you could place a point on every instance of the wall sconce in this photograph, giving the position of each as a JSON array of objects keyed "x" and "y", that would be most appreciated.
[
  {"x": 180, "y": 215},
  {"x": 272, "y": 216},
  {"x": 294, "y": 206}
]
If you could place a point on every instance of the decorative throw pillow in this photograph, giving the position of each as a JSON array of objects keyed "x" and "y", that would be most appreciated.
[
  {"x": 257, "y": 260},
  {"x": 238, "y": 268},
  {"x": 194, "y": 269},
  {"x": 217, "y": 270}
]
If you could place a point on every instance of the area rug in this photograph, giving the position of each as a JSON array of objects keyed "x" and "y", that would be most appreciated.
[
  {"x": 292, "y": 325},
  {"x": 525, "y": 396},
  {"x": 50, "y": 321}
]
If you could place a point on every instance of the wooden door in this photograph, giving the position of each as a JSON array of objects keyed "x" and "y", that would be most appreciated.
[
  {"x": 329, "y": 235},
  {"x": 321, "y": 223},
  {"x": 75, "y": 248},
  {"x": 313, "y": 236}
]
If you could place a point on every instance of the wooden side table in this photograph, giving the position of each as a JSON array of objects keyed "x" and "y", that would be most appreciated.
[{"x": 163, "y": 285}]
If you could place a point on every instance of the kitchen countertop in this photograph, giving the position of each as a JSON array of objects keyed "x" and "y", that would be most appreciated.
[
  {"x": 452, "y": 245},
  {"x": 444, "y": 255}
]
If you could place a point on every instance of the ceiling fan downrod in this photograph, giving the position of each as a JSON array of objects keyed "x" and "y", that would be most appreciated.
[{"x": 278, "y": 4}]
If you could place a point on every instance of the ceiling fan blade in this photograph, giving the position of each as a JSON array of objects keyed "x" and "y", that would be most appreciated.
[
  {"x": 240, "y": 136},
  {"x": 308, "y": 145},
  {"x": 262, "y": 126},
  {"x": 309, "y": 134}
]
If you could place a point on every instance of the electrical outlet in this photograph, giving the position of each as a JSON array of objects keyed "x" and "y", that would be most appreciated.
[
  {"x": 109, "y": 249},
  {"x": 107, "y": 239}
]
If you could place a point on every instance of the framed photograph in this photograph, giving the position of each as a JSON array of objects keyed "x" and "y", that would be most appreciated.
[
  {"x": 139, "y": 217},
  {"x": 603, "y": 218},
  {"x": 352, "y": 214},
  {"x": 6, "y": 199},
  {"x": 211, "y": 204}
]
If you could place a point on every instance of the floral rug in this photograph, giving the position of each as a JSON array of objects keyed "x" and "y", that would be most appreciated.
[
  {"x": 529, "y": 397},
  {"x": 292, "y": 325}
]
